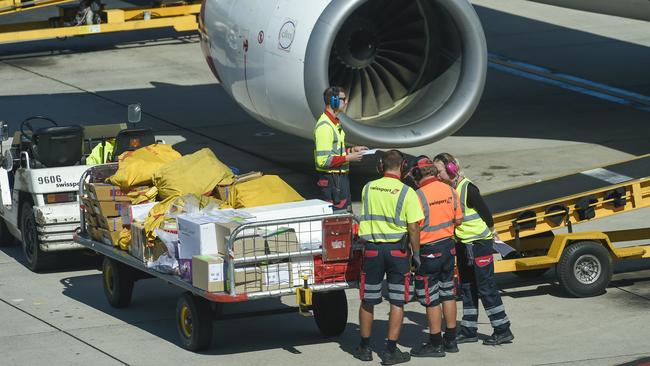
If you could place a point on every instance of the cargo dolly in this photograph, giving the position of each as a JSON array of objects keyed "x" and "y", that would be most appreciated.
[
  {"x": 526, "y": 216},
  {"x": 332, "y": 266}
]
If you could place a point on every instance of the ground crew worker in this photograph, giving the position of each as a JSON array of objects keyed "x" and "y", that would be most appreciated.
[
  {"x": 474, "y": 246},
  {"x": 434, "y": 281},
  {"x": 389, "y": 220},
  {"x": 331, "y": 156},
  {"x": 101, "y": 153}
]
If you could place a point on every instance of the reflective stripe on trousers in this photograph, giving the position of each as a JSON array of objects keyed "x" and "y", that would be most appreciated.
[{"x": 477, "y": 281}]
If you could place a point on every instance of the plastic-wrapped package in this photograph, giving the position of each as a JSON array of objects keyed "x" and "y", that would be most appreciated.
[
  {"x": 164, "y": 264},
  {"x": 170, "y": 239}
]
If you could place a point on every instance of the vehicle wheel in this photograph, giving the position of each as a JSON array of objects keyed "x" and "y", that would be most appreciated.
[
  {"x": 6, "y": 239},
  {"x": 331, "y": 312},
  {"x": 118, "y": 283},
  {"x": 37, "y": 259},
  {"x": 533, "y": 273},
  {"x": 585, "y": 269},
  {"x": 194, "y": 322}
]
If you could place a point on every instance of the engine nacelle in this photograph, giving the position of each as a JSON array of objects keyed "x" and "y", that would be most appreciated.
[{"x": 414, "y": 70}]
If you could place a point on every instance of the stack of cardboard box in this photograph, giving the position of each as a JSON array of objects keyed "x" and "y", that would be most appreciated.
[{"x": 104, "y": 206}]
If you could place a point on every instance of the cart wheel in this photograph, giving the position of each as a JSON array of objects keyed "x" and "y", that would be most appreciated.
[
  {"x": 37, "y": 259},
  {"x": 118, "y": 283},
  {"x": 331, "y": 312},
  {"x": 194, "y": 322},
  {"x": 533, "y": 273},
  {"x": 585, "y": 269}
]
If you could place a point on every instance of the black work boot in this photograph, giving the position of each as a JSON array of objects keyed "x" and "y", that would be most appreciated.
[
  {"x": 395, "y": 357},
  {"x": 363, "y": 353},
  {"x": 499, "y": 338},
  {"x": 450, "y": 345},
  {"x": 428, "y": 350},
  {"x": 462, "y": 338}
]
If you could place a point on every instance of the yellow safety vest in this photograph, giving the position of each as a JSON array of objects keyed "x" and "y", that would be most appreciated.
[
  {"x": 388, "y": 206},
  {"x": 473, "y": 227},
  {"x": 95, "y": 156},
  {"x": 330, "y": 142}
]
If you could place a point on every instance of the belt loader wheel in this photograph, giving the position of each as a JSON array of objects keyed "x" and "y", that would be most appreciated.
[
  {"x": 37, "y": 259},
  {"x": 585, "y": 269},
  {"x": 118, "y": 283},
  {"x": 330, "y": 312},
  {"x": 194, "y": 322}
]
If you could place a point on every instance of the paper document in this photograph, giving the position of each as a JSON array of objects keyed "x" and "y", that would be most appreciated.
[
  {"x": 503, "y": 248},
  {"x": 369, "y": 152}
]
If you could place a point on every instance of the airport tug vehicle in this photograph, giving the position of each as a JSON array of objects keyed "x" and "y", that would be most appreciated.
[{"x": 39, "y": 184}]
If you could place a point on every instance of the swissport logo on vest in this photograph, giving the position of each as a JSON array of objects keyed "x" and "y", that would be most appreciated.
[
  {"x": 385, "y": 190},
  {"x": 440, "y": 202}
]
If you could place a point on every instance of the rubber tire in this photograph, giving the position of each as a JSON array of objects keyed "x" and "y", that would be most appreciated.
[
  {"x": 6, "y": 239},
  {"x": 330, "y": 312},
  {"x": 121, "y": 281},
  {"x": 39, "y": 260},
  {"x": 530, "y": 274},
  {"x": 202, "y": 322},
  {"x": 567, "y": 278}
]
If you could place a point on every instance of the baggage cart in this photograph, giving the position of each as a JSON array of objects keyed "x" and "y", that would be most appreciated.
[{"x": 317, "y": 272}]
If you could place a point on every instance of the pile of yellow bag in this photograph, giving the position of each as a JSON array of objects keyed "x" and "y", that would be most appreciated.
[{"x": 199, "y": 174}]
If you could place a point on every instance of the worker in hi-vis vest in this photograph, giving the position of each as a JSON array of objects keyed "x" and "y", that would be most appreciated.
[
  {"x": 331, "y": 156},
  {"x": 474, "y": 247},
  {"x": 434, "y": 281},
  {"x": 389, "y": 222},
  {"x": 102, "y": 153}
]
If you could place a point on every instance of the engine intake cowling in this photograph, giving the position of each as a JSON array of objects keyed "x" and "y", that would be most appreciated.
[{"x": 414, "y": 70}]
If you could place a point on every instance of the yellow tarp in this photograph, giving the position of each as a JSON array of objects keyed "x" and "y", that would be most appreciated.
[
  {"x": 197, "y": 174},
  {"x": 266, "y": 190},
  {"x": 136, "y": 168}
]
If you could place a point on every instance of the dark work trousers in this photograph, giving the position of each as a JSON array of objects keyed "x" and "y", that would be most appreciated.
[
  {"x": 476, "y": 271},
  {"x": 335, "y": 188}
]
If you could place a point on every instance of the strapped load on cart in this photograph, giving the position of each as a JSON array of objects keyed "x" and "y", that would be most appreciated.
[{"x": 180, "y": 226}]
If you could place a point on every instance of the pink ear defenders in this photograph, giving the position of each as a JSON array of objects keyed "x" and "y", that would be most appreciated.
[{"x": 451, "y": 167}]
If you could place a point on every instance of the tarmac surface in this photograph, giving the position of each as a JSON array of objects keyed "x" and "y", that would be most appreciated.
[{"x": 524, "y": 130}]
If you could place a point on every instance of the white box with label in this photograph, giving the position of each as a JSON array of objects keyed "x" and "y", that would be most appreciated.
[
  {"x": 276, "y": 276},
  {"x": 137, "y": 213},
  {"x": 300, "y": 267}
]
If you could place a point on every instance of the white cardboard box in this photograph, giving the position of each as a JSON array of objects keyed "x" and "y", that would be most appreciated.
[
  {"x": 289, "y": 210},
  {"x": 198, "y": 235},
  {"x": 309, "y": 233},
  {"x": 137, "y": 213}
]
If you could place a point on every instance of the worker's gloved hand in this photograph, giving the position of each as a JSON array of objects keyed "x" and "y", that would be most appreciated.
[{"x": 416, "y": 261}]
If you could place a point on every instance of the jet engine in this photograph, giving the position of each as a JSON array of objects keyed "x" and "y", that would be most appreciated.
[{"x": 414, "y": 70}]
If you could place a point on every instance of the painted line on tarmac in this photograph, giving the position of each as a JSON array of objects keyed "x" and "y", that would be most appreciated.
[
  {"x": 66, "y": 333},
  {"x": 569, "y": 82}
]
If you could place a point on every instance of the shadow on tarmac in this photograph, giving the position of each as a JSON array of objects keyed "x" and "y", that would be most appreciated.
[
  {"x": 643, "y": 361},
  {"x": 153, "y": 310},
  {"x": 65, "y": 261},
  {"x": 624, "y": 276}
]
